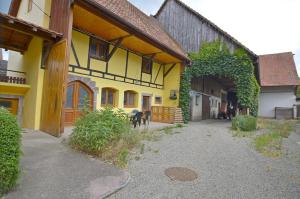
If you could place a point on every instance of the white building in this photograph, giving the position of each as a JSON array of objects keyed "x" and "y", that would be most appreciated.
[{"x": 278, "y": 80}]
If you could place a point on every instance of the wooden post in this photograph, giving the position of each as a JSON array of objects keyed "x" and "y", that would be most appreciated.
[{"x": 55, "y": 78}]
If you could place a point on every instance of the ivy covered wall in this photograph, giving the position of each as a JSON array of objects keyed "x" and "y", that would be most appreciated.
[{"x": 214, "y": 59}]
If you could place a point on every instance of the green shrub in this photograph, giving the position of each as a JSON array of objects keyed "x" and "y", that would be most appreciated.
[
  {"x": 244, "y": 123},
  {"x": 10, "y": 142},
  {"x": 95, "y": 130}
]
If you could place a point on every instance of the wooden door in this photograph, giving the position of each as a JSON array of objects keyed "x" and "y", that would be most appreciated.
[
  {"x": 10, "y": 104},
  {"x": 146, "y": 105},
  {"x": 79, "y": 96},
  {"x": 56, "y": 70},
  {"x": 205, "y": 107}
]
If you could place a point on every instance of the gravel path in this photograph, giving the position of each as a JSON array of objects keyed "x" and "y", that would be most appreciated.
[{"x": 227, "y": 167}]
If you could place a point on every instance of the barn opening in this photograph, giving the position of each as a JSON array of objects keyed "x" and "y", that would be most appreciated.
[{"x": 212, "y": 97}]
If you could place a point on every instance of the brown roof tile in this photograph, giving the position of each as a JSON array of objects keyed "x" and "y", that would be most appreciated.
[
  {"x": 278, "y": 70},
  {"x": 146, "y": 24}
]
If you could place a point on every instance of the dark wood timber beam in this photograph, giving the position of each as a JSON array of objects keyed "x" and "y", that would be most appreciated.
[
  {"x": 170, "y": 69},
  {"x": 158, "y": 72},
  {"x": 14, "y": 7},
  {"x": 117, "y": 45}
]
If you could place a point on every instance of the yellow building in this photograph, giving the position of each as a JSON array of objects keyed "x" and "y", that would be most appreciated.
[{"x": 96, "y": 52}]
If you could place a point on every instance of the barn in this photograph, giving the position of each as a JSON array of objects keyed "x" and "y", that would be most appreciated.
[{"x": 191, "y": 30}]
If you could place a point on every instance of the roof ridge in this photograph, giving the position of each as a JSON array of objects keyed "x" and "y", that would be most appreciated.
[{"x": 287, "y": 52}]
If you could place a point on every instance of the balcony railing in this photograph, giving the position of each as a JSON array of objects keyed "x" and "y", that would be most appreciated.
[{"x": 12, "y": 76}]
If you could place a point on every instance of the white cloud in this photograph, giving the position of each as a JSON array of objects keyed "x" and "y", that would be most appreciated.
[{"x": 264, "y": 26}]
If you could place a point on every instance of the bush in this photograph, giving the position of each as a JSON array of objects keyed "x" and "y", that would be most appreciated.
[
  {"x": 95, "y": 130},
  {"x": 10, "y": 142},
  {"x": 244, "y": 123}
]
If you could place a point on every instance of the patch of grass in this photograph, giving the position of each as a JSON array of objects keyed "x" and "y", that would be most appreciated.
[
  {"x": 122, "y": 158},
  {"x": 244, "y": 123},
  {"x": 239, "y": 133},
  {"x": 269, "y": 144}
]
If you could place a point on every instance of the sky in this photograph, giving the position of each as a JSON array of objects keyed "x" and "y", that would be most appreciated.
[{"x": 264, "y": 26}]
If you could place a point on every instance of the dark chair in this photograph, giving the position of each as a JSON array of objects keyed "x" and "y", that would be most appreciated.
[
  {"x": 146, "y": 118},
  {"x": 137, "y": 119}
]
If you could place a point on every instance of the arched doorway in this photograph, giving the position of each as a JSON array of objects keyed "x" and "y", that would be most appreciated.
[{"x": 79, "y": 96}]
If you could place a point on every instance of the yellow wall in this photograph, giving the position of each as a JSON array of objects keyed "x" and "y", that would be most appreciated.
[
  {"x": 30, "y": 63},
  {"x": 117, "y": 65},
  {"x": 36, "y": 16}
]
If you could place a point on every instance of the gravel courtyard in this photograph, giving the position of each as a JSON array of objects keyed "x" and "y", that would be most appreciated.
[{"x": 227, "y": 167}]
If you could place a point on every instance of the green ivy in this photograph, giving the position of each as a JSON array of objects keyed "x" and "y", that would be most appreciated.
[{"x": 215, "y": 59}]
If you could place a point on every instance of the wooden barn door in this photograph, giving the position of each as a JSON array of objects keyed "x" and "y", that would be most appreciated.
[
  {"x": 79, "y": 96},
  {"x": 205, "y": 107},
  {"x": 56, "y": 70}
]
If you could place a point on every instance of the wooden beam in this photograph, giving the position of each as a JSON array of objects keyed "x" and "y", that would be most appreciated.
[
  {"x": 75, "y": 54},
  {"x": 168, "y": 71},
  {"x": 14, "y": 7},
  {"x": 158, "y": 73},
  {"x": 28, "y": 29},
  {"x": 117, "y": 45}
]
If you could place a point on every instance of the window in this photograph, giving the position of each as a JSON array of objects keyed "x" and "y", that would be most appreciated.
[
  {"x": 147, "y": 65},
  {"x": 197, "y": 100},
  {"x": 108, "y": 97},
  {"x": 98, "y": 49},
  {"x": 158, "y": 100},
  {"x": 130, "y": 99}
]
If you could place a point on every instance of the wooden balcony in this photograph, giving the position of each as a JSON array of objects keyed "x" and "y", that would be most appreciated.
[
  {"x": 13, "y": 77},
  {"x": 13, "y": 82}
]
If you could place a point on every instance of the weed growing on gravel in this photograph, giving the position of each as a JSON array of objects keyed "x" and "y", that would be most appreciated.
[
  {"x": 239, "y": 133},
  {"x": 269, "y": 144},
  {"x": 122, "y": 158}
]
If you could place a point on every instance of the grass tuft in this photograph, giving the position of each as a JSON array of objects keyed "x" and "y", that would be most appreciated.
[{"x": 269, "y": 144}]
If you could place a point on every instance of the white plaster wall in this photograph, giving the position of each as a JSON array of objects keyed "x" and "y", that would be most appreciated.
[{"x": 271, "y": 99}]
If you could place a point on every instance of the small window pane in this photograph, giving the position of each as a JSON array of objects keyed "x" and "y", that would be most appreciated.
[
  {"x": 70, "y": 90},
  {"x": 103, "y": 96},
  {"x": 93, "y": 49},
  {"x": 158, "y": 100},
  {"x": 6, "y": 104},
  {"x": 110, "y": 97},
  {"x": 83, "y": 98},
  {"x": 131, "y": 99},
  {"x": 146, "y": 65}
]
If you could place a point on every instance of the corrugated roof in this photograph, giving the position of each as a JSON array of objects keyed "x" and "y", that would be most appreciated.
[
  {"x": 278, "y": 70},
  {"x": 145, "y": 24}
]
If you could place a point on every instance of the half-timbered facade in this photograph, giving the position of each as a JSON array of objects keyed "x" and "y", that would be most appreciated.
[{"x": 102, "y": 53}]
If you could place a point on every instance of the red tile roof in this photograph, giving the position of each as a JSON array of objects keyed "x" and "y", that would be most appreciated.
[
  {"x": 278, "y": 70},
  {"x": 145, "y": 24}
]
